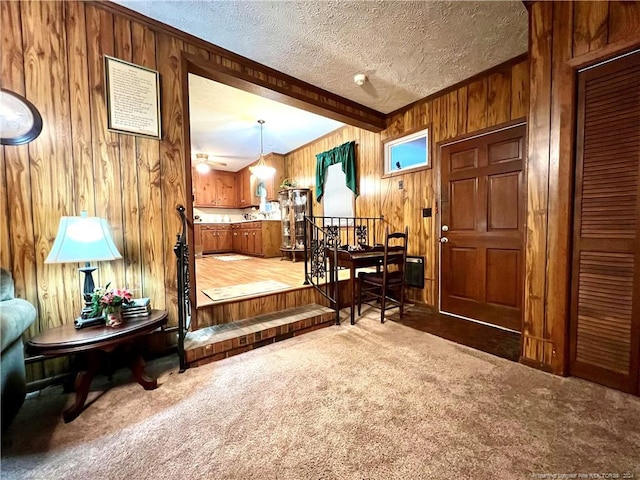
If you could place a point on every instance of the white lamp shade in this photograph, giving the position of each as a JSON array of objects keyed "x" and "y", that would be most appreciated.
[
  {"x": 262, "y": 171},
  {"x": 83, "y": 239}
]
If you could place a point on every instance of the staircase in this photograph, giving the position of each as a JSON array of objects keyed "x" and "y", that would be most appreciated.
[
  {"x": 225, "y": 328},
  {"x": 216, "y": 342}
]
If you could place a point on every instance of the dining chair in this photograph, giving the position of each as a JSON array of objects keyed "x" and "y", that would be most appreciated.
[{"x": 386, "y": 286}]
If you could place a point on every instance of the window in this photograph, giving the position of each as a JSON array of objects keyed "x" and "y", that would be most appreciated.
[
  {"x": 337, "y": 199},
  {"x": 409, "y": 152}
]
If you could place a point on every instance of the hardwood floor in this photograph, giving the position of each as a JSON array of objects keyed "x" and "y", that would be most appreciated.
[
  {"x": 475, "y": 335},
  {"x": 212, "y": 272}
]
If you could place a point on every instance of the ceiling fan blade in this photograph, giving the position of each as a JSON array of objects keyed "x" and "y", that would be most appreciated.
[{"x": 220, "y": 164}]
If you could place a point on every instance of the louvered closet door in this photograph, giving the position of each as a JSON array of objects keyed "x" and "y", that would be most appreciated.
[{"x": 605, "y": 310}]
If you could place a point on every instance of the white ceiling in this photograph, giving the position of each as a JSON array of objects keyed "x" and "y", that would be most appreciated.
[
  {"x": 407, "y": 49},
  {"x": 224, "y": 124}
]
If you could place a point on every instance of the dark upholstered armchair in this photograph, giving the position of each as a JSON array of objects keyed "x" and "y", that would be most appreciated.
[{"x": 16, "y": 315}]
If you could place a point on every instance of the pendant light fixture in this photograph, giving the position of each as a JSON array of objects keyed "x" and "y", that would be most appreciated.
[{"x": 261, "y": 170}]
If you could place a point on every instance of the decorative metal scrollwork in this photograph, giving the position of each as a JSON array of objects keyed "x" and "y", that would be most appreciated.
[
  {"x": 181, "y": 249},
  {"x": 187, "y": 283},
  {"x": 318, "y": 259},
  {"x": 361, "y": 234},
  {"x": 333, "y": 236}
]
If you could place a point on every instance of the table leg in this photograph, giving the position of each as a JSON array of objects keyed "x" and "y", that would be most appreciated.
[
  {"x": 333, "y": 282},
  {"x": 137, "y": 368},
  {"x": 352, "y": 279},
  {"x": 82, "y": 384}
]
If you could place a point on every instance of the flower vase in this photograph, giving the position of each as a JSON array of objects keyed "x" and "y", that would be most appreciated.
[{"x": 114, "y": 318}]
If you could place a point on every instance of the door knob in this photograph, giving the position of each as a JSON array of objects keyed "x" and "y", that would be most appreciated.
[
  {"x": 445, "y": 228},
  {"x": 444, "y": 240}
]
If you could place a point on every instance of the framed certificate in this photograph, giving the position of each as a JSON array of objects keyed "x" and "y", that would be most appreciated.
[{"x": 133, "y": 98}]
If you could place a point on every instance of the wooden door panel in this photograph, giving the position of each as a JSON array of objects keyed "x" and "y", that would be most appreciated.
[
  {"x": 605, "y": 297},
  {"x": 461, "y": 285},
  {"x": 503, "y": 210},
  {"x": 483, "y": 208},
  {"x": 463, "y": 205},
  {"x": 463, "y": 160},
  {"x": 506, "y": 150},
  {"x": 503, "y": 277}
]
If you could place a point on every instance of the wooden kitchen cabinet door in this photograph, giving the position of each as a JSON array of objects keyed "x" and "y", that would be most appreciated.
[
  {"x": 209, "y": 242},
  {"x": 225, "y": 189},
  {"x": 225, "y": 242}
]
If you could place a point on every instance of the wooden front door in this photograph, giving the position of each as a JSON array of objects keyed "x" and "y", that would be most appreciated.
[
  {"x": 483, "y": 220},
  {"x": 605, "y": 299}
]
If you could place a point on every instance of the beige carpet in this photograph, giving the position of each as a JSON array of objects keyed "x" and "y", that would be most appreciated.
[
  {"x": 245, "y": 289},
  {"x": 368, "y": 401}
]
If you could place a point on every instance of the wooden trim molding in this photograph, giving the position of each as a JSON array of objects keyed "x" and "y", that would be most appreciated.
[
  {"x": 604, "y": 53},
  {"x": 288, "y": 94},
  {"x": 241, "y": 72},
  {"x": 481, "y": 132}
]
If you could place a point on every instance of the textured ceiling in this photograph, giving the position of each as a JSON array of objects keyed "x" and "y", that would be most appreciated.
[{"x": 408, "y": 50}]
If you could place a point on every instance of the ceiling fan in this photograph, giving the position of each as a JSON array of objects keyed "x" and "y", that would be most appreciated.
[{"x": 203, "y": 164}]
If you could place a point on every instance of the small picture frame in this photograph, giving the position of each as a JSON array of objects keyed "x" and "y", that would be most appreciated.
[
  {"x": 133, "y": 98},
  {"x": 407, "y": 153}
]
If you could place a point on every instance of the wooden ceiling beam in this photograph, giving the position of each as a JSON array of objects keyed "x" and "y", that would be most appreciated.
[{"x": 241, "y": 72}]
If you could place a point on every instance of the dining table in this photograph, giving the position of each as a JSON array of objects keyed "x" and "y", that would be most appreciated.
[{"x": 353, "y": 259}]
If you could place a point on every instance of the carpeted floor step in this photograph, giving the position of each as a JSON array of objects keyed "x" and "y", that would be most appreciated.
[{"x": 222, "y": 341}]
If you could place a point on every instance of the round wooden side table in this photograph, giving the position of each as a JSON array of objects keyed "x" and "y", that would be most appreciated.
[{"x": 90, "y": 341}]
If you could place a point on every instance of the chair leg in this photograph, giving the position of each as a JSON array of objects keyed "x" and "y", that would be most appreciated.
[
  {"x": 359, "y": 294},
  {"x": 383, "y": 303},
  {"x": 401, "y": 300}
]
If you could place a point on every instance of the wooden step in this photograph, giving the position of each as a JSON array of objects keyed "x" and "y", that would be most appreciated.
[{"x": 221, "y": 341}]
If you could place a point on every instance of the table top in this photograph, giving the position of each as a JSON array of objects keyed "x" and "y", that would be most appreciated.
[
  {"x": 372, "y": 254},
  {"x": 68, "y": 339}
]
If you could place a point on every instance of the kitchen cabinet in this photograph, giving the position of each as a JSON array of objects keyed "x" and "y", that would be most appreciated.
[
  {"x": 276, "y": 161},
  {"x": 243, "y": 187},
  {"x": 224, "y": 241},
  {"x": 259, "y": 238},
  {"x": 216, "y": 238},
  {"x": 208, "y": 233},
  {"x": 197, "y": 240},
  {"x": 214, "y": 189},
  {"x": 236, "y": 237},
  {"x": 225, "y": 189}
]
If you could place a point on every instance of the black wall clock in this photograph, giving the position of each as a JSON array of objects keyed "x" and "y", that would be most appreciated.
[{"x": 20, "y": 121}]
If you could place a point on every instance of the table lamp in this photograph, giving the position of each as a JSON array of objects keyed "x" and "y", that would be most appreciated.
[{"x": 83, "y": 239}]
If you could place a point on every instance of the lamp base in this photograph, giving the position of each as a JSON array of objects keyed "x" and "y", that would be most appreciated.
[{"x": 89, "y": 286}]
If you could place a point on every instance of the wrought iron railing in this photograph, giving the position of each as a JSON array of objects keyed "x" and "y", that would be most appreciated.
[
  {"x": 323, "y": 237},
  {"x": 181, "y": 249}
]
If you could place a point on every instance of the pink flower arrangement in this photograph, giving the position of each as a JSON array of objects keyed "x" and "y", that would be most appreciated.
[{"x": 109, "y": 300}]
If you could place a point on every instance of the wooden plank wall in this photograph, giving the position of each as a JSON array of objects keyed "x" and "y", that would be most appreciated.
[
  {"x": 52, "y": 53},
  {"x": 563, "y": 37},
  {"x": 499, "y": 96}
]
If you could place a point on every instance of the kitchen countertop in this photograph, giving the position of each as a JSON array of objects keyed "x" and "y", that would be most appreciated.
[{"x": 200, "y": 222}]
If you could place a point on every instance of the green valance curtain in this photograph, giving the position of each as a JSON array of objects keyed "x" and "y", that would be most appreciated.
[{"x": 345, "y": 154}]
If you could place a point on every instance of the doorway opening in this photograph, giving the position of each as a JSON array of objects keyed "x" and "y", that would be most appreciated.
[{"x": 236, "y": 230}]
